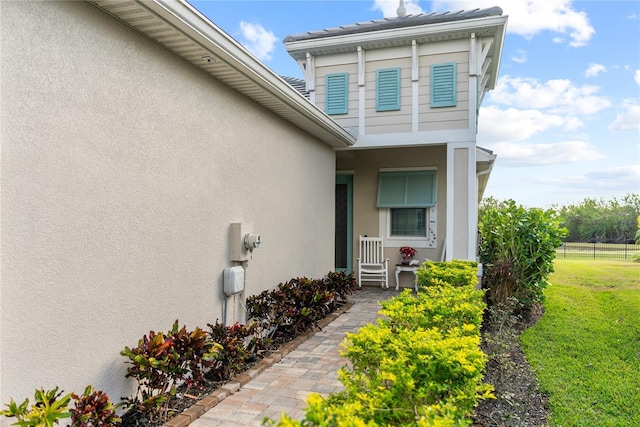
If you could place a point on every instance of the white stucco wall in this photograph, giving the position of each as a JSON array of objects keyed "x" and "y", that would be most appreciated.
[{"x": 122, "y": 168}]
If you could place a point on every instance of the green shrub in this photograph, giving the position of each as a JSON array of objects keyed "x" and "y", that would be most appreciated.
[
  {"x": 162, "y": 361},
  {"x": 93, "y": 409},
  {"x": 442, "y": 307},
  {"x": 234, "y": 352},
  {"x": 48, "y": 407},
  {"x": 407, "y": 372},
  {"x": 518, "y": 246},
  {"x": 456, "y": 272},
  {"x": 297, "y": 305},
  {"x": 340, "y": 284}
]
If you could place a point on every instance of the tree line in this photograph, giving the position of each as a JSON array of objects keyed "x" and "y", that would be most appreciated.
[{"x": 615, "y": 220}]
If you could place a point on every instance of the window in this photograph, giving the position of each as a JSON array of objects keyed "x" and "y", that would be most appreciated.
[
  {"x": 407, "y": 207},
  {"x": 337, "y": 87},
  {"x": 443, "y": 85},
  {"x": 388, "y": 89},
  {"x": 409, "y": 222},
  {"x": 410, "y": 189}
]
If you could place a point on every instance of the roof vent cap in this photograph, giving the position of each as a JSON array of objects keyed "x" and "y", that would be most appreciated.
[{"x": 402, "y": 11}]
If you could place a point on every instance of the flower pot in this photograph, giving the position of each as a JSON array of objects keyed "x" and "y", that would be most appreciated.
[{"x": 406, "y": 259}]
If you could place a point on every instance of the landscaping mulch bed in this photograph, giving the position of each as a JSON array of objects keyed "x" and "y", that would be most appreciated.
[
  {"x": 519, "y": 401},
  {"x": 185, "y": 397}
]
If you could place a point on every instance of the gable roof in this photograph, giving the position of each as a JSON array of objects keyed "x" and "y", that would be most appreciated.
[
  {"x": 398, "y": 22},
  {"x": 181, "y": 29}
]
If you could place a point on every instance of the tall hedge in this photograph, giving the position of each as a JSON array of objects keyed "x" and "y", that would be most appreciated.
[{"x": 517, "y": 247}]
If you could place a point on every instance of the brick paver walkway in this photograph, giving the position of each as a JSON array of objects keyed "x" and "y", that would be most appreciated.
[{"x": 311, "y": 367}]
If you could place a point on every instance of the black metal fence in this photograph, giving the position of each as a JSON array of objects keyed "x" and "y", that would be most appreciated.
[{"x": 598, "y": 250}]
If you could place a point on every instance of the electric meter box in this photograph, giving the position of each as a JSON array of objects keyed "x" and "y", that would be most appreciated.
[
  {"x": 233, "y": 280},
  {"x": 238, "y": 250}
]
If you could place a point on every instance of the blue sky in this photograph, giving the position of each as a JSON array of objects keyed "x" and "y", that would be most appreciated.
[{"x": 564, "y": 118}]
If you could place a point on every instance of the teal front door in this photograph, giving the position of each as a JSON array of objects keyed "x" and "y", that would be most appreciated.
[{"x": 344, "y": 223}]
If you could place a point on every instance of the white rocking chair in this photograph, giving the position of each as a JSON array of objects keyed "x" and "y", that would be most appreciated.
[{"x": 372, "y": 266}]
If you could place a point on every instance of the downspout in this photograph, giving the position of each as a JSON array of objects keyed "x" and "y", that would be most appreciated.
[{"x": 485, "y": 172}]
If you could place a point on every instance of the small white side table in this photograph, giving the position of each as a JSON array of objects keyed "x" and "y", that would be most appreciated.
[{"x": 410, "y": 268}]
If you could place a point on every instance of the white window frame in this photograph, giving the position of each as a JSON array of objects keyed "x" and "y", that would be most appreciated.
[{"x": 384, "y": 221}]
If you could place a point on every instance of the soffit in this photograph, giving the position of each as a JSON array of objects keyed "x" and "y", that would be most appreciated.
[
  {"x": 181, "y": 29},
  {"x": 336, "y": 42}
]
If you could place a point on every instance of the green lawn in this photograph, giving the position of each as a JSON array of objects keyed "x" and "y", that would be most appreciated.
[{"x": 586, "y": 348}]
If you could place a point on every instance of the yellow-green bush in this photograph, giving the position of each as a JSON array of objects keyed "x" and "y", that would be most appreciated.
[
  {"x": 443, "y": 306},
  {"x": 456, "y": 272},
  {"x": 420, "y": 365}
]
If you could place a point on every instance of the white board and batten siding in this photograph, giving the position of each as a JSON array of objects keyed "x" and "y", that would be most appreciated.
[
  {"x": 341, "y": 63},
  {"x": 400, "y": 120},
  {"x": 449, "y": 117},
  {"x": 394, "y": 121}
]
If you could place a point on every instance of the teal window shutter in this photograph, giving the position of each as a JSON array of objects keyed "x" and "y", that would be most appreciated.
[
  {"x": 411, "y": 189},
  {"x": 337, "y": 90},
  {"x": 443, "y": 85},
  {"x": 388, "y": 89}
]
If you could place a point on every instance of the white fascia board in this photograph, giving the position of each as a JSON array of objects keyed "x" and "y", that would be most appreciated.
[
  {"x": 191, "y": 22},
  {"x": 395, "y": 34},
  {"x": 484, "y": 156},
  {"x": 497, "y": 59},
  {"x": 411, "y": 139}
]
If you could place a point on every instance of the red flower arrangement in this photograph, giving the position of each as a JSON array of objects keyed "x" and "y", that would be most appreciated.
[{"x": 407, "y": 251}]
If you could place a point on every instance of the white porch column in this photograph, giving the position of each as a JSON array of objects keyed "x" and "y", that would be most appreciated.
[{"x": 462, "y": 202}]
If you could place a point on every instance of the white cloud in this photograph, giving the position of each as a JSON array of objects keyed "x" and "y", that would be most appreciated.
[
  {"x": 624, "y": 173},
  {"x": 629, "y": 118},
  {"x": 519, "y": 154},
  {"x": 624, "y": 179},
  {"x": 530, "y": 17},
  {"x": 258, "y": 40},
  {"x": 636, "y": 76},
  {"x": 511, "y": 124},
  {"x": 594, "y": 69},
  {"x": 389, "y": 8},
  {"x": 559, "y": 96},
  {"x": 520, "y": 56}
]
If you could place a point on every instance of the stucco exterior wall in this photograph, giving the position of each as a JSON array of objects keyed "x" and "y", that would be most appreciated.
[
  {"x": 365, "y": 165},
  {"x": 122, "y": 169}
]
